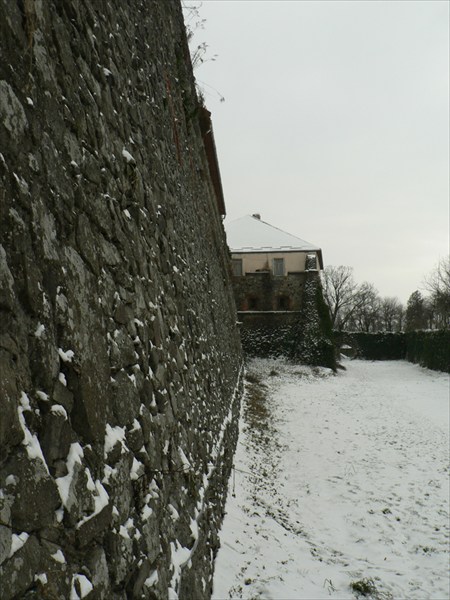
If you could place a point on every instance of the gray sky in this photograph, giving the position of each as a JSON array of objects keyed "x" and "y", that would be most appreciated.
[{"x": 335, "y": 126}]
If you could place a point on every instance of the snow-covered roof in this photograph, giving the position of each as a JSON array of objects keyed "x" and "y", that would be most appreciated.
[{"x": 250, "y": 234}]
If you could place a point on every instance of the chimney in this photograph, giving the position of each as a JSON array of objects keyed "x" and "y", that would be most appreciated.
[{"x": 257, "y": 216}]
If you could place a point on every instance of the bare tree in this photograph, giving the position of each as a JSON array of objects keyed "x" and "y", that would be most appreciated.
[
  {"x": 366, "y": 311},
  {"x": 391, "y": 314},
  {"x": 416, "y": 314},
  {"x": 339, "y": 289},
  {"x": 437, "y": 283}
]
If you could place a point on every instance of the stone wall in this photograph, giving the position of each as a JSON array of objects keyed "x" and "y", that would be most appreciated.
[
  {"x": 304, "y": 336},
  {"x": 119, "y": 356},
  {"x": 265, "y": 290}
]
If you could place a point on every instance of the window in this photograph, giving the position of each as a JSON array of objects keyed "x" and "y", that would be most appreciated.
[
  {"x": 253, "y": 303},
  {"x": 236, "y": 266},
  {"x": 283, "y": 302},
  {"x": 278, "y": 267}
]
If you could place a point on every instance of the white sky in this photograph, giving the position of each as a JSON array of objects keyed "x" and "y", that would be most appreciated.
[{"x": 335, "y": 126}]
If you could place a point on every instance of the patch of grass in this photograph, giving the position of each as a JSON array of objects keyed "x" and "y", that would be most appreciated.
[
  {"x": 366, "y": 587},
  {"x": 252, "y": 378},
  {"x": 329, "y": 585},
  {"x": 299, "y": 373},
  {"x": 256, "y": 409},
  {"x": 273, "y": 373}
]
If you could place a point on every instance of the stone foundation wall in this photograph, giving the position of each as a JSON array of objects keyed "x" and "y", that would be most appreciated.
[{"x": 119, "y": 355}]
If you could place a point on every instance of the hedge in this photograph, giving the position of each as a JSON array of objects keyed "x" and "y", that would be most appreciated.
[{"x": 430, "y": 349}]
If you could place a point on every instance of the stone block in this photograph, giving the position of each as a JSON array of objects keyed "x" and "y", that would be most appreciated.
[
  {"x": 120, "y": 556},
  {"x": 89, "y": 409},
  {"x": 10, "y": 430},
  {"x": 135, "y": 439},
  {"x": 6, "y": 501},
  {"x": 79, "y": 500},
  {"x": 17, "y": 573},
  {"x": 55, "y": 439},
  {"x": 12, "y": 114},
  {"x": 99, "y": 574},
  {"x": 125, "y": 399},
  {"x": 54, "y": 563},
  {"x": 35, "y": 494},
  {"x": 120, "y": 488},
  {"x": 135, "y": 587},
  {"x": 151, "y": 532},
  {"x": 95, "y": 527},
  {"x": 7, "y": 294},
  {"x": 123, "y": 314},
  {"x": 122, "y": 352},
  {"x": 87, "y": 243},
  {"x": 62, "y": 395}
]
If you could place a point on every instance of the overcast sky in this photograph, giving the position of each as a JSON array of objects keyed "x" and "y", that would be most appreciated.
[{"x": 335, "y": 126}]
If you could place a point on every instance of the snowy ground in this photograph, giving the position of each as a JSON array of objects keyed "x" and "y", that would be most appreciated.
[{"x": 339, "y": 479}]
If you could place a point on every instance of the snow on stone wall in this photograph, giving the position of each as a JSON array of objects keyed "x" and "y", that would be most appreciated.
[{"x": 119, "y": 355}]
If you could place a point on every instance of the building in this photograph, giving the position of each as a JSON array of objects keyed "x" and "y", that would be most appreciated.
[{"x": 269, "y": 265}]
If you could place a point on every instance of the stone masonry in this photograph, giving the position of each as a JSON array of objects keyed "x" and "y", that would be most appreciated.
[
  {"x": 266, "y": 290},
  {"x": 119, "y": 355},
  {"x": 303, "y": 333}
]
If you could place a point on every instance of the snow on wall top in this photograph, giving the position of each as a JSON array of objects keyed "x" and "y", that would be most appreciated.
[{"x": 250, "y": 234}]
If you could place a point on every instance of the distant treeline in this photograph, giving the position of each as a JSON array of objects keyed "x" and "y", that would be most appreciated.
[
  {"x": 359, "y": 307},
  {"x": 428, "y": 348}
]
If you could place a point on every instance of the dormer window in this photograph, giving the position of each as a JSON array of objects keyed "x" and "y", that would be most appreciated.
[{"x": 278, "y": 267}]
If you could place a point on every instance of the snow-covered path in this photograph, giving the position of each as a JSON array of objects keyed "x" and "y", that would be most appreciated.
[{"x": 339, "y": 480}]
